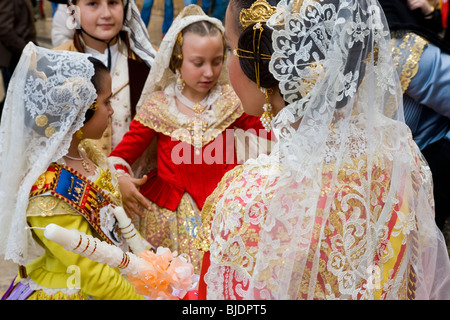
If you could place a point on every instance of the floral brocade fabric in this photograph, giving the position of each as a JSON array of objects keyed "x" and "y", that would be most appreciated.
[
  {"x": 175, "y": 230},
  {"x": 338, "y": 261}
]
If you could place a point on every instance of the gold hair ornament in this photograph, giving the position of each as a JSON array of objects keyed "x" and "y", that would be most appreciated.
[
  {"x": 255, "y": 54},
  {"x": 94, "y": 105},
  {"x": 180, "y": 38},
  {"x": 180, "y": 43},
  {"x": 41, "y": 120},
  {"x": 259, "y": 11}
]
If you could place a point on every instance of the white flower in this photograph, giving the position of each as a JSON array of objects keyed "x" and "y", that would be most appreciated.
[{"x": 405, "y": 223}]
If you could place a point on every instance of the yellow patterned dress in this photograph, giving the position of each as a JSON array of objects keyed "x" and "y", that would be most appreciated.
[{"x": 64, "y": 197}]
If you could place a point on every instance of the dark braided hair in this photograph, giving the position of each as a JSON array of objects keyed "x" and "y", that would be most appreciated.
[
  {"x": 246, "y": 40},
  {"x": 99, "y": 70}
]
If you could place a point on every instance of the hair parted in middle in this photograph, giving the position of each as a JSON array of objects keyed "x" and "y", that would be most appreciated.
[{"x": 201, "y": 28}]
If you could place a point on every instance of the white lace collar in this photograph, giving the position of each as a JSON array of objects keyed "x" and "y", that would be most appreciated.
[
  {"x": 209, "y": 113},
  {"x": 103, "y": 57}
]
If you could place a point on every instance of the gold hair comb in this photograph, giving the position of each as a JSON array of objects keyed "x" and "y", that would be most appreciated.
[
  {"x": 259, "y": 11},
  {"x": 180, "y": 38},
  {"x": 94, "y": 105}
]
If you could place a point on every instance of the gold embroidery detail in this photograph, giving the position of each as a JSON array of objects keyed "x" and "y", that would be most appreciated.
[
  {"x": 107, "y": 180},
  {"x": 327, "y": 239},
  {"x": 155, "y": 114},
  {"x": 47, "y": 206},
  {"x": 41, "y": 120},
  {"x": 407, "y": 49},
  {"x": 176, "y": 230},
  {"x": 203, "y": 241},
  {"x": 40, "y": 183},
  {"x": 260, "y": 11}
]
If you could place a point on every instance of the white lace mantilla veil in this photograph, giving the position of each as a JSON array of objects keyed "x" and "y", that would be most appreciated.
[
  {"x": 343, "y": 206},
  {"x": 45, "y": 105},
  {"x": 160, "y": 75}
]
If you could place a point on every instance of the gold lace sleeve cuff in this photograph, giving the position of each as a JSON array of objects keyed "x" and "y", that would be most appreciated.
[{"x": 407, "y": 49}]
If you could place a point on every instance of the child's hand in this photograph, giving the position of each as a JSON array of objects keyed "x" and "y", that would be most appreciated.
[{"x": 133, "y": 200}]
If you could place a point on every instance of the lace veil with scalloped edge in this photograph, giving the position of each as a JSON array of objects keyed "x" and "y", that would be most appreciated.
[
  {"x": 343, "y": 207},
  {"x": 45, "y": 105}
]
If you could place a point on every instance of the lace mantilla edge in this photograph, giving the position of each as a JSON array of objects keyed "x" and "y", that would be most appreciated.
[{"x": 155, "y": 114}]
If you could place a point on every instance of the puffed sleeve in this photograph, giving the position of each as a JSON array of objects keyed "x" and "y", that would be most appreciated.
[
  {"x": 97, "y": 280},
  {"x": 133, "y": 145}
]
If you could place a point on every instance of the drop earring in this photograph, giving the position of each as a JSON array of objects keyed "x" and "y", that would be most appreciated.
[
  {"x": 267, "y": 116},
  {"x": 79, "y": 134},
  {"x": 180, "y": 81}
]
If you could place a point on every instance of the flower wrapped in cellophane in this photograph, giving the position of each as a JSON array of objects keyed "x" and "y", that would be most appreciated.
[{"x": 166, "y": 277}]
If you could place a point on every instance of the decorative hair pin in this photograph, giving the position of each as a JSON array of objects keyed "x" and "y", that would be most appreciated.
[
  {"x": 179, "y": 41},
  {"x": 255, "y": 54},
  {"x": 93, "y": 105},
  {"x": 180, "y": 38},
  {"x": 259, "y": 11}
]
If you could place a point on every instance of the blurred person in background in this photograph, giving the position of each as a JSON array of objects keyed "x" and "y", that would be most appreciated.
[
  {"x": 146, "y": 13},
  {"x": 16, "y": 30},
  {"x": 114, "y": 33},
  {"x": 422, "y": 60}
]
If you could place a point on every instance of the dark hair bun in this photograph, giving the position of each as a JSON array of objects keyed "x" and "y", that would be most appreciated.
[{"x": 249, "y": 39}]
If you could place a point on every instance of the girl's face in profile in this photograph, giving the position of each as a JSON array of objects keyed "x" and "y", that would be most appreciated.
[
  {"x": 102, "y": 19},
  {"x": 95, "y": 126},
  {"x": 251, "y": 97},
  {"x": 202, "y": 63}
]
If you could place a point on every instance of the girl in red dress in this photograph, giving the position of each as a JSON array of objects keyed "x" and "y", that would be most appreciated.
[{"x": 190, "y": 114}]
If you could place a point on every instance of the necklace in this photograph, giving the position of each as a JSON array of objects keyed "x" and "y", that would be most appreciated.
[
  {"x": 73, "y": 158},
  {"x": 196, "y": 107},
  {"x": 84, "y": 163},
  {"x": 197, "y": 126}
]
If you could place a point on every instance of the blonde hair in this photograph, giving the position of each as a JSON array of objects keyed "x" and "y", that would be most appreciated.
[{"x": 201, "y": 28}]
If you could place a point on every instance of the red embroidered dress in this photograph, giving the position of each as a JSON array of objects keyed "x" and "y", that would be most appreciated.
[{"x": 186, "y": 172}]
